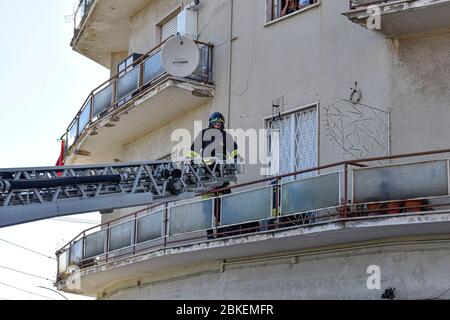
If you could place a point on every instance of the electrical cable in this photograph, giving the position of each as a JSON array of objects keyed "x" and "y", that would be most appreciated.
[
  {"x": 26, "y": 273},
  {"x": 24, "y": 248},
  {"x": 439, "y": 296},
  {"x": 23, "y": 290},
  {"x": 83, "y": 221}
]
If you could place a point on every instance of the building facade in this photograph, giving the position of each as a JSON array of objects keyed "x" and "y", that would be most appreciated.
[{"x": 337, "y": 80}]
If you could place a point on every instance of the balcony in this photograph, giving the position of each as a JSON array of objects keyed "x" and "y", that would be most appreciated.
[
  {"x": 132, "y": 103},
  {"x": 102, "y": 27},
  {"x": 81, "y": 15},
  {"x": 408, "y": 199},
  {"x": 402, "y": 17}
]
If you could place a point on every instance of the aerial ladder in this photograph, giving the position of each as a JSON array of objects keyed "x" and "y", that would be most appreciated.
[{"x": 32, "y": 194}]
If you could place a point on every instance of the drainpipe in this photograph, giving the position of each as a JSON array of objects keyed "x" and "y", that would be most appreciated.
[{"x": 230, "y": 63}]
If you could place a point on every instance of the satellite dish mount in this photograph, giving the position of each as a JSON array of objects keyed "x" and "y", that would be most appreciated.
[{"x": 180, "y": 56}]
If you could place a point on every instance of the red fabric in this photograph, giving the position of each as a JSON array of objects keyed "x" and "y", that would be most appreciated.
[{"x": 60, "y": 161}]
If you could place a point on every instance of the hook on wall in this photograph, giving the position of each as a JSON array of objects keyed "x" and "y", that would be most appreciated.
[{"x": 356, "y": 95}]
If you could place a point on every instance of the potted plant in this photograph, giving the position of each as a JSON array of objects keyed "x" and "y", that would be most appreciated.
[
  {"x": 394, "y": 207},
  {"x": 373, "y": 208},
  {"x": 413, "y": 205}
]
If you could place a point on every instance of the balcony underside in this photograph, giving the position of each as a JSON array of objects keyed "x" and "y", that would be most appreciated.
[
  {"x": 401, "y": 18},
  {"x": 106, "y": 29},
  {"x": 354, "y": 231},
  {"x": 143, "y": 114}
]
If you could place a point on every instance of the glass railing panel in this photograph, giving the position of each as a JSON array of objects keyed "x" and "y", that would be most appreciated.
[
  {"x": 310, "y": 194},
  {"x": 150, "y": 227},
  {"x": 72, "y": 134},
  {"x": 399, "y": 182},
  {"x": 153, "y": 68},
  {"x": 102, "y": 100},
  {"x": 76, "y": 252},
  {"x": 202, "y": 71},
  {"x": 246, "y": 206},
  {"x": 190, "y": 217},
  {"x": 120, "y": 236},
  {"x": 85, "y": 116},
  {"x": 63, "y": 262},
  {"x": 95, "y": 244},
  {"x": 128, "y": 83}
]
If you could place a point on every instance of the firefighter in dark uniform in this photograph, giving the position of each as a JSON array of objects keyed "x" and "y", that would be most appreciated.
[{"x": 215, "y": 142}]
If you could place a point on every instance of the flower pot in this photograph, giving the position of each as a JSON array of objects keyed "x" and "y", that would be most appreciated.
[
  {"x": 372, "y": 208},
  {"x": 413, "y": 205},
  {"x": 393, "y": 207}
]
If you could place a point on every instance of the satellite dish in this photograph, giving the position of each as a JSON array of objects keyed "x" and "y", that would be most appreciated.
[{"x": 180, "y": 56}]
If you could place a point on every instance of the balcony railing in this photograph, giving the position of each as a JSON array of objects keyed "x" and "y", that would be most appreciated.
[
  {"x": 359, "y": 190},
  {"x": 81, "y": 13},
  {"x": 145, "y": 74},
  {"x": 354, "y": 4},
  {"x": 399, "y": 18}
]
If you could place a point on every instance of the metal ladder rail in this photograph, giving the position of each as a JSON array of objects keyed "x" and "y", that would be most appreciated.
[{"x": 31, "y": 194}]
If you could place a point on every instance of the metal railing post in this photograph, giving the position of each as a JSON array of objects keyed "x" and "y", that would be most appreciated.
[
  {"x": 345, "y": 189},
  {"x": 135, "y": 233},
  {"x": 165, "y": 226},
  {"x": 114, "y": 91},
  {"x": 108, "y": 230},
  {"x": 210, "y": 62},
  {"x": 277, "y": 202},
  {"x": 141, "y": 75},
  {"x": 78, "y": 125},
  {"x": 91, "y": 113},
  {"x": 75, "y": 21},
  {"x": 83, "y": 249},
  {"x": 58, "y": 255},
  {"x": 217, "y": 211},
  {"x": 66, "y": 145},
  {"x": 69, "y": 255}
]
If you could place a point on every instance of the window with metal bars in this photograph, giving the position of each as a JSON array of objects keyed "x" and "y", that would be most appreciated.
[{"x": 293, "y": 142}]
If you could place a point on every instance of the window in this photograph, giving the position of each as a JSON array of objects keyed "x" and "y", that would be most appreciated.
[
  {"x": 280, "y": 8},
  {"x": 167, "y": 27},
  {"x": 293, "y": 142},
  {"x": 127, "y": 64}
]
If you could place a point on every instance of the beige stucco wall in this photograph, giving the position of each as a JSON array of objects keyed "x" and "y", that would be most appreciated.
[
  {"x": 313, "y": 56},
  {"x": 420, "y": 93}
]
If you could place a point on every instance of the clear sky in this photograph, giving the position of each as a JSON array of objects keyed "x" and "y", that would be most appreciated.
[{"x": 42, "y": 84}]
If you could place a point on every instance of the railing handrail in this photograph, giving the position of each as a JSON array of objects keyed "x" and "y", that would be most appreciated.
[
  {"x": 356, "y": 3},
  {"x": 346, "y": 163}
]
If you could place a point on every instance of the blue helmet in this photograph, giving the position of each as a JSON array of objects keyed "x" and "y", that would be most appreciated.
[{"x": 216, "y": 117}]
